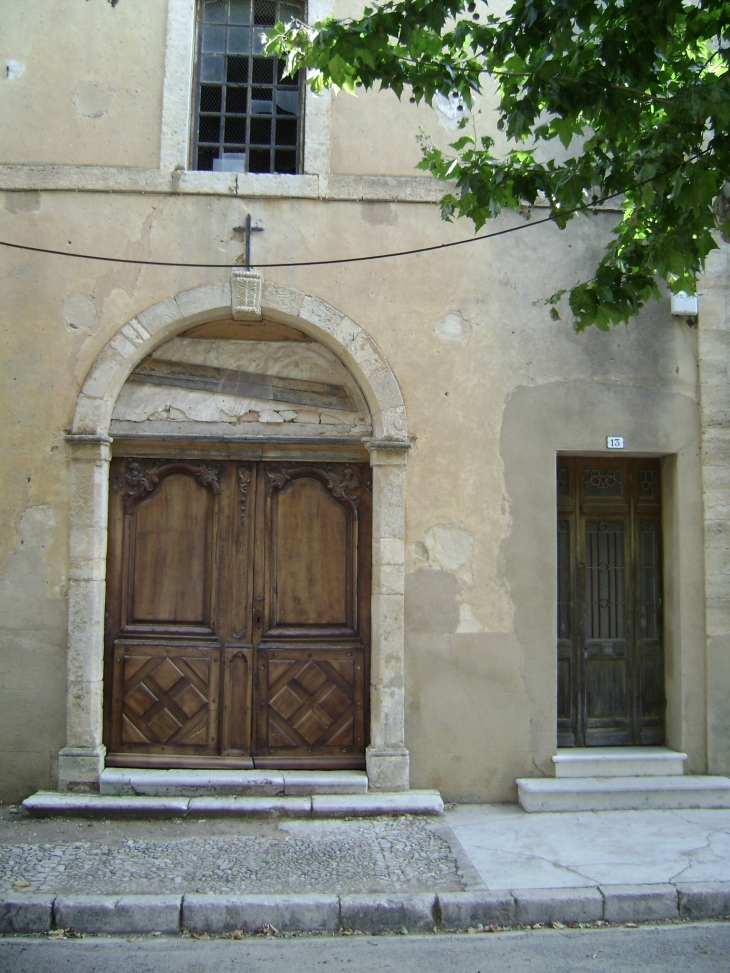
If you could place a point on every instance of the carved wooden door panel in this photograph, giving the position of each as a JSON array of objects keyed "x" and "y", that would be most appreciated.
[
  {"x": 238, "y": 607},
  {"x": 312, "y": 612},
  {"x": 610, "y": 659}
]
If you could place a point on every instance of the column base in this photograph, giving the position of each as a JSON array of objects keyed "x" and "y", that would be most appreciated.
[
  {"x": 388, "y": 769},
  {"x": 79, "y": 768}
]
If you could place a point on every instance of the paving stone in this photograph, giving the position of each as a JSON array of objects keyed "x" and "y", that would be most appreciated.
[
  {"x": 377, "y": 913},
  {"x": 26, "y": 913},
  {"x": 377, "y": 855},
  {"x": 118, "y": 914},
  {"x": 460, "y": 910},
  {"x": 704, "y": 900},
  {"x": 639, "y": 903},
  {"x": 377, "y": 803},
  {"x": 240, "y": 806},
  {"x": 287, "y": 913},
  {"x": 563, "y": 905}
]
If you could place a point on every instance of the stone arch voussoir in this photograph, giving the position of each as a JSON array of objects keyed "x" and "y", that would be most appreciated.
[{"x": 160, "y": 322}]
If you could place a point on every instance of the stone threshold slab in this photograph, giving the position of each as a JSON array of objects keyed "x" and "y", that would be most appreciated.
[
  {"x": 24, "y": 913},
  {"x": 619, "y": 762},
  {"x": 548, "y": 794},
  {"x": 60, "y": 804},
  {"x": 118, "y": 782}
]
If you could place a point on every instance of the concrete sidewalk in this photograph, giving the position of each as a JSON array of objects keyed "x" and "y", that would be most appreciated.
[{"x": 477, "y": 866}]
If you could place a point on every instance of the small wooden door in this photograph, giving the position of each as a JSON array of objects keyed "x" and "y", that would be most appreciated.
[
  {"x": 238, "y": 613},
  {"x": 610, "y": 658}
]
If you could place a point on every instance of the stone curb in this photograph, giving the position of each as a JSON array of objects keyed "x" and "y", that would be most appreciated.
[
  {"x": 293, "y": 913},
  {"x": 368, "y": 913},
  {"x": 118, "y": 914}
]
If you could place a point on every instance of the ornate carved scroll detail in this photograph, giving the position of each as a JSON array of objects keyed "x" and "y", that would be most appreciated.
[
  {"x": 244, "y": 482},
  {"x": 343, "y": 486},
  {"x": 277, "y": 478},
  {"x": 144, "y": 481}
]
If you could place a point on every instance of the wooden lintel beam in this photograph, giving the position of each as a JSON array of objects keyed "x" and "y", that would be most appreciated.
[{"x": 249, "y": 385}]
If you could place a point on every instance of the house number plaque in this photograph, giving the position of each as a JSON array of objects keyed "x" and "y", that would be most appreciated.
[{"x": 615, "y": 442}]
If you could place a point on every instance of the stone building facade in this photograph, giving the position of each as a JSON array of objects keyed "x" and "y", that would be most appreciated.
[{"x": 462, "y": 393}]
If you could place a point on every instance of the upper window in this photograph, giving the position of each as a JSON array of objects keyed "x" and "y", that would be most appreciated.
[{"x": 248, "y": 116}]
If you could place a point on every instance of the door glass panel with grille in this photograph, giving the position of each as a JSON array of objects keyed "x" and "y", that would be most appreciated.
[{"x": 610, "y": 660}]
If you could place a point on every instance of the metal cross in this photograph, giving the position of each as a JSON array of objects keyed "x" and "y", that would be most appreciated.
[{"x": 247, "y": 229}]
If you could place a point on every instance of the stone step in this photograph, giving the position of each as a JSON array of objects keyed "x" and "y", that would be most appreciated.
[
  {"x": 55, "y": 803},
  {"x": 619, "y": 762},
  {"x": 622, "y": 793},
  {"x": 118, "y": 781}
]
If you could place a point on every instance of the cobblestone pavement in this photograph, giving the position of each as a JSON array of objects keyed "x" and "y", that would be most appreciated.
[{"x": 377, "y": 855}]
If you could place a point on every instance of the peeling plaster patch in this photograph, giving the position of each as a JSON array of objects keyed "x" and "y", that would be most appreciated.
[
  {"x": 37, "y": 526},
  {"x": 450, "y": 547},
  {"x": 378, "y": 214},
  {"x": 13, "y": 69},
  {"x": 140, "y": 402},
  {"x": 453, "y": 327},
  {"x": 23, "y": 202},
  {"x": 79, "y": 312},
  {"x": 450, "y": 111},
  {"x": 468, "y": 622},
  {"x": 93, "y": 100}
]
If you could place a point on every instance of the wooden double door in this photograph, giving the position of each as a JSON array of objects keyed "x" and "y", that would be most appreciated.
[
  {"x": 238, "y": 613},
  {"x": 610, "y": 658}
]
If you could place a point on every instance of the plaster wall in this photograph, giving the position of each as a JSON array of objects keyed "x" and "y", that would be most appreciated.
[
  {"x": 81, "y": 83},
  {"x": 101, "y": 103},
  {"x": 493, "y": 389}
]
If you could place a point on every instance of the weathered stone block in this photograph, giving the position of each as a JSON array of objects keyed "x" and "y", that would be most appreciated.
[
  {"x": 704, "y": 900},
  {"x": 26, "y": 913},
  {"x": 383, "y": 913},
  {"x": 287, "y": 913},
  {"x": 205, "y": 303},
  {"x": 388, "y": 769},
  {"x": 460, "y": 910},
  {"x": 160, "y": 316},
  {"x": 563, "y": 905},
  {"x": 119, "y": 914},
  {"x": 639, "y": 903}
]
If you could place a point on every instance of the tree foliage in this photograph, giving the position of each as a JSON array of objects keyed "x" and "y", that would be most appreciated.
[{"x": 637, "y": 92}]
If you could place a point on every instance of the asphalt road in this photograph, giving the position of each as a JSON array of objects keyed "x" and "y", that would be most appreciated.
[{"x": 695, "y": 948}]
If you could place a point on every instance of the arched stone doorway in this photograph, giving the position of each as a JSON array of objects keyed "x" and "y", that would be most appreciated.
[{"x": 82, "y": 759}]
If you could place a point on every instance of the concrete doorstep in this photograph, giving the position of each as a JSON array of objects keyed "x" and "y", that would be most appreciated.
[{"x": 367, "y": 913}]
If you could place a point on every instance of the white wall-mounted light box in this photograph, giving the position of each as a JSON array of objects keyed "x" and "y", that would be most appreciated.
[
  {"x": 615, "y": 442},
  {"x": 685, "y": 304}
]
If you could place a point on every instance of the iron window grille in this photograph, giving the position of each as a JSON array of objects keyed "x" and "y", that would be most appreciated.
[{"x": 248, "y": 116}]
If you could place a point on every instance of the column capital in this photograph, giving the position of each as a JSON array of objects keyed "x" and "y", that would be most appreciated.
[
  {"x": 89, "y": 446},
  {"x": 388, "y": 452}
]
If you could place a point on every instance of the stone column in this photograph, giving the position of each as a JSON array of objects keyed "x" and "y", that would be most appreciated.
[
  {"x": 387, "y": 757},
  {"x": 714, "y": 356},
  {"x": 81, "y": 761}
]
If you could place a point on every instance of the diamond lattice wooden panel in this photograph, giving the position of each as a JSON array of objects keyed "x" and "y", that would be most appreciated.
[
  {"x": 312, "y": 701},
  {"x": 165, "y": 698}
]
